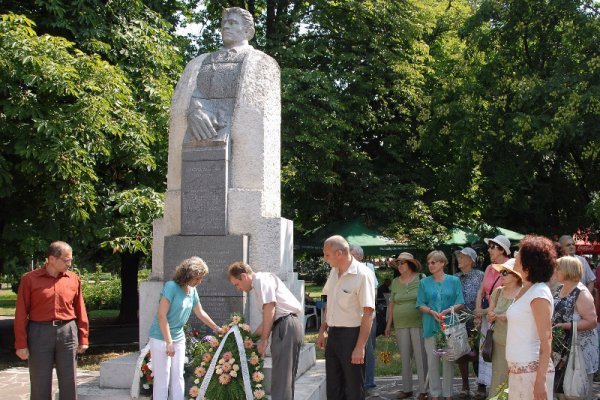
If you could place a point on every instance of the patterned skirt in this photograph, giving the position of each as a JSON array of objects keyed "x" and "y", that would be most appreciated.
[{"x": 521, "y": 380}]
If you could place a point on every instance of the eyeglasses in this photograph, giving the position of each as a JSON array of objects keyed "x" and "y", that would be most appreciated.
[
  {"x": 495, "y": 246},
  {"x": 505, "y": 272}
]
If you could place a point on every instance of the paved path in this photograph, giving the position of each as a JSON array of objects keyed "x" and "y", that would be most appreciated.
[
  {"x": 14, "y": 385},
  {"x": 14, "y": 382}
]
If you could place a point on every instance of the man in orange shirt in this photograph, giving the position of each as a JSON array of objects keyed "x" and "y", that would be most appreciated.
[{"x": 51, "y": 324}]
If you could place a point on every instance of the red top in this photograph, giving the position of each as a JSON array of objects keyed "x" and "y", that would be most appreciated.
[{"x": 43, "y": 297}]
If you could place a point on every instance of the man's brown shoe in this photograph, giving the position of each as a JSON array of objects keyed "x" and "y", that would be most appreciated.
[{"x": 405, "y": 395}]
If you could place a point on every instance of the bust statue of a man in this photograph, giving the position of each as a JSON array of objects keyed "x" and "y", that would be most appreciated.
[
  {"x": 212, "y": 103},
  {"x": 224, "y": 136}
]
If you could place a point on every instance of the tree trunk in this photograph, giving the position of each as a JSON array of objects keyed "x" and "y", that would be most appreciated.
[{"x": 129, "y": 287}]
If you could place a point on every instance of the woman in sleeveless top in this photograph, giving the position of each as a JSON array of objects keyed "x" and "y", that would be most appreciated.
[
  {"x": 573, "y": 301},
  {"x": 529, "y": 336},
  {"x": 501, "y": 299}
]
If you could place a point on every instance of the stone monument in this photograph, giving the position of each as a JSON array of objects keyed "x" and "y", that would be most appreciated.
[
  {"x": 223, "y": 184},
  {"x": 223, "y": 187}
]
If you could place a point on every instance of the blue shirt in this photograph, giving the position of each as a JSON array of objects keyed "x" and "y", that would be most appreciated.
[
  {"x": 438, "y": 296},
  {"x": 179, "y": 311}
]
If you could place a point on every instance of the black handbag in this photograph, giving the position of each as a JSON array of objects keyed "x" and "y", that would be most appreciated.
[{"x": 487, "y": 348}]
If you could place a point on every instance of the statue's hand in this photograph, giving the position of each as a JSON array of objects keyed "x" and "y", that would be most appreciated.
[{"x": 202, "y": 123}]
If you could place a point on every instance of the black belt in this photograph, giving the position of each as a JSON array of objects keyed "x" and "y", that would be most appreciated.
[
  {"x": 278, "y": 320},
  {"x": 56, "y": 322},
  {"x": 342, "y": 328}
]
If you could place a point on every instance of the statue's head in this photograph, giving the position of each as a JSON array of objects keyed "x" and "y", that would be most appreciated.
[{"x": 237, "y": 26}]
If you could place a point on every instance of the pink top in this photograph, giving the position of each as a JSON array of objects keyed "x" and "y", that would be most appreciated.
[{"x": 491, "y": 276}]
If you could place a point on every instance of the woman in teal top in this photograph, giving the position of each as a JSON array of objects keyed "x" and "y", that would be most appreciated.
[
  {"x": 438, "y": 294},
  {"x": 167, "y": 340},
  {"x": 407, "y": 322}
]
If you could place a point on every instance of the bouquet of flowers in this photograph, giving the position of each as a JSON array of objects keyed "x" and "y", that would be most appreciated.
[
  {"x": 386, "y": 356},
  {"x": 441, "y": 341},
  {"x": 218, "y": 365},
  {"x": 561, "y": 342}
]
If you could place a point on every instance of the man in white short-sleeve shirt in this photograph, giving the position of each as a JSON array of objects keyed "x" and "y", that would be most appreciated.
[
  {"x": 280, "y": 310},
  {"x": 350, "y": 294}
]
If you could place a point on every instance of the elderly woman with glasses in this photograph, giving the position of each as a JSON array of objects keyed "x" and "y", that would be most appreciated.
[
  {"x": 499, "y": 251},
  {"x": 500, "y": 300},
  {"x": 407, "y": 323},
  {"x": 470, "y": 281},
  {"x": 438, "y": 295}
]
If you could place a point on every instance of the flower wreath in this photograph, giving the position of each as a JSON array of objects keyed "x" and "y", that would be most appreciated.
[
  {"x": 222, "y": 370},
  {"x": 225, "y": 375}
]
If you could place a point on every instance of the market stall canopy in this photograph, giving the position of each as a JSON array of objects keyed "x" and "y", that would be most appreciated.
[
  {"x": 355, "y": 232},
  {"x": 465, "y": 236}
]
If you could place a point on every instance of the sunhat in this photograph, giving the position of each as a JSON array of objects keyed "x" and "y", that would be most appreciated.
[
  {"x": 500, "y": 240},
  {"x": 404, "y": 256},
  {"x": 509, "y": 265}
]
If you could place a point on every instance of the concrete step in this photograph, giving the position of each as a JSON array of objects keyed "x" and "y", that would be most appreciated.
[{"x": 311, "y": 385}]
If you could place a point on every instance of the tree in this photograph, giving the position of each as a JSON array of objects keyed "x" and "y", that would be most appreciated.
[
  {"x": 525, "y": 115},
  {"x": 82, "y": 123},
  {"x": 130, "y": 235}
]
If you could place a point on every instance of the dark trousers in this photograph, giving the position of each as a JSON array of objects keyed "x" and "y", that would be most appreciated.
[
  {"x": 345, "y": 381},
  {"x": 49, "y": 346},
  {"x": 286, "y": 341}
]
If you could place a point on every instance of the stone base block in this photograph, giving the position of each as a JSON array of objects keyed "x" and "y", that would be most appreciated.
[
  {"x": 149, "y": 297},
  {"x": 219, "y": 298},
  {"x": 118, "y": 373}
]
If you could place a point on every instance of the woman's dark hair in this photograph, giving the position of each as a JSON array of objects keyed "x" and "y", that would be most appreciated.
[{"x": 538, "y": 258}]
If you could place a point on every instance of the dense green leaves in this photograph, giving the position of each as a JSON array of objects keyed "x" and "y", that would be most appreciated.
[{"x": 414, "y": 115}]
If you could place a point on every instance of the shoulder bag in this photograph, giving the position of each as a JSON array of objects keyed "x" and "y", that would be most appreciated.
[
  {"x": 487, "y": 347},
  {"x": 576, "y": 382}
]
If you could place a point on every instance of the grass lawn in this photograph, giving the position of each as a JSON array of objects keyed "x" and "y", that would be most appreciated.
[
  {"x": 8, "y": 300},
  {"x": 315, "y": 291},
  {"x": 96, "y": 314}
]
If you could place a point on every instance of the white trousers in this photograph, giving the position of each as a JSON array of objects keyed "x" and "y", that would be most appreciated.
[{"x": 167, "y": 371}]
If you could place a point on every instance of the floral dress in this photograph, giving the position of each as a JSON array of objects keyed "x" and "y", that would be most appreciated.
[{"x": 564, "y": 311}]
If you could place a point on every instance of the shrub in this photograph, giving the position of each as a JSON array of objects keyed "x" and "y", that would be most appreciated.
[
  {"x": 313, "y": 269},
  {"x": 99, "y": 293}
]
